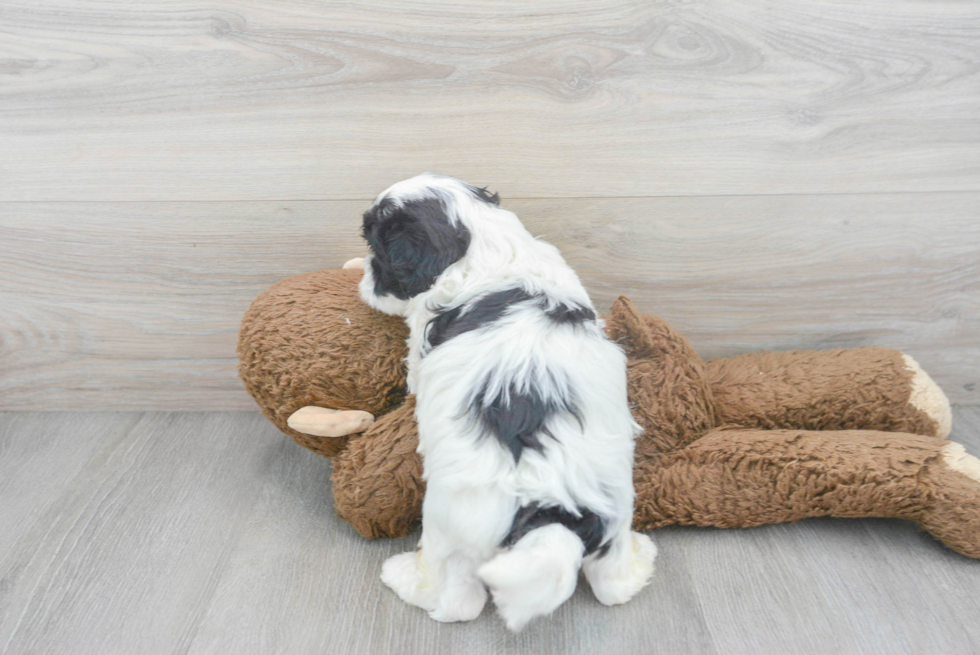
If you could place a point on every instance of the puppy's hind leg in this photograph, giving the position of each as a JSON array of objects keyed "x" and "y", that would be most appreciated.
[
  {"x": 413, "y": 578},
  {"x": 618, "y": 574},
  {"x": 443, "y": 584},
  {"x": 463, "y": 595},
  {"x": 535, "y": 576}
]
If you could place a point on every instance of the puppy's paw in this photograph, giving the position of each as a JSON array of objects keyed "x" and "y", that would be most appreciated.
[
  {"x": 619, "y": 576},
  {"x": 460, "y": 603},
  {"x": 406, "y": 575}
]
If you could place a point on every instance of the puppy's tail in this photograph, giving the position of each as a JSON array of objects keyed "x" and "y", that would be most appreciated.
[{"x": 535, "y": 575}]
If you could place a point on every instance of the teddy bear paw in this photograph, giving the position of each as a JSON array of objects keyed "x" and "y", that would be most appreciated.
[
  {"x": 927, "y": 397},
  {"x": 956, "y": 458}
]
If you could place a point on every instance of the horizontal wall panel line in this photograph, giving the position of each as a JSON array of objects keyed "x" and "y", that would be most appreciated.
[
  {"x": 137, "y": 305},
  {"x": 506, "y": 198}
]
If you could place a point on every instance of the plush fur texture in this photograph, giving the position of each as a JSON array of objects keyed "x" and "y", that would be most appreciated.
[
  {"x": 858, "y": 464},
  {"x": 311, "y": 340},
  {"x": 813, "y": 401},
  {"x": 289, "y": 356},
  {"x": 524, "y": 427}
]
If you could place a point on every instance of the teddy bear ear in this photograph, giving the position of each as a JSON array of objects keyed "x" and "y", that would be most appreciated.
[
  {"x": 669, "y": 394},
  {"x": 626, "y": 327}
]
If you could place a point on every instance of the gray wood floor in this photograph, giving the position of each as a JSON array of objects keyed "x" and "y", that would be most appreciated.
[{"x": 213, "y": 533}]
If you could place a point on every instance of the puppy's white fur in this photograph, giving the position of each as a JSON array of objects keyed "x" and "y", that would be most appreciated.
[{"x": 474, "y": 485}]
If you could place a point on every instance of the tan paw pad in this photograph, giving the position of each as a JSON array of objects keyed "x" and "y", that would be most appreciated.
[
  {"x": 927, "y": 397},
  {"x": 961, "y": 461}
]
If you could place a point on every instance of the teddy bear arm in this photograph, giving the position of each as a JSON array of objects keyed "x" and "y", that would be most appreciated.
[
  {"x": 377, "y": 479},
  {"x": 740, "y": 478},
  {"x": 868, "y": 388}
]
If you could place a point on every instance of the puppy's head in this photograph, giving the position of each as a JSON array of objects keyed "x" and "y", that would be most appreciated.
[{"x": 415, "y": 232}]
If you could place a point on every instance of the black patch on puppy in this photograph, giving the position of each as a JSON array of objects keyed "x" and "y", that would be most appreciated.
[
  {"x": 490, "y": 308},
  {"x": 412, "y": 245},
  {"x": 484, "y": 195},
  {"x": 486, "y": 310},
  {"x": 589, "y": 527},
  {"x": 570, "y": 314},
  {"x": 516, "y": 419}
]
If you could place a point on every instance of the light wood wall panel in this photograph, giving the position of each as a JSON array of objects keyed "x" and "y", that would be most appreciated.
[
  {"x": 291, "y": 100},
  {"x": 136, "y": 305}
]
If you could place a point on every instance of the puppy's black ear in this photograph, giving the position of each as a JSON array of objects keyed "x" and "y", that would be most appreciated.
[
  {"x": 484, "y": 195},
  {"x": 412, "y": 245}
]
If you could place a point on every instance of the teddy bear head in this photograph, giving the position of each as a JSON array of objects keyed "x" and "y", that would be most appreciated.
[{"x": 309, "y": 341}]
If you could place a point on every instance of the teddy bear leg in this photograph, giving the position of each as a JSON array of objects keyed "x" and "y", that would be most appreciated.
[
  {"x": 741, "y": 478},
  {"x": 377, "y": 479},
  {"x": 954, "y": 518},
  {"x": 868, "y": 388},
  {"x": 618, "y": 574}
]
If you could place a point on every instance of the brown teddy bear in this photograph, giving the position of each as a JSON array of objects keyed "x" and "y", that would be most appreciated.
[{"x": 736, "y": 442}]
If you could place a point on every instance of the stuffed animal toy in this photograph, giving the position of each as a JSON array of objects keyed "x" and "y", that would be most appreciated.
[{"x": 735, "y": 442}]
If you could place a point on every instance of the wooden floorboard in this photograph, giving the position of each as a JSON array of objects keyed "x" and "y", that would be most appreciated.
[
  {"x": 41, "y": 455},
  {"x": 137, "y": 305},
  {"x": 213, "y": 533},
  {"x": 128, "y": 556},
  {"x": 248, "y": 100}
]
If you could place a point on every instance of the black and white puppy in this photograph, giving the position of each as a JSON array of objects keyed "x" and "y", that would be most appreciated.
[{"x": 524, "y": 428}]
